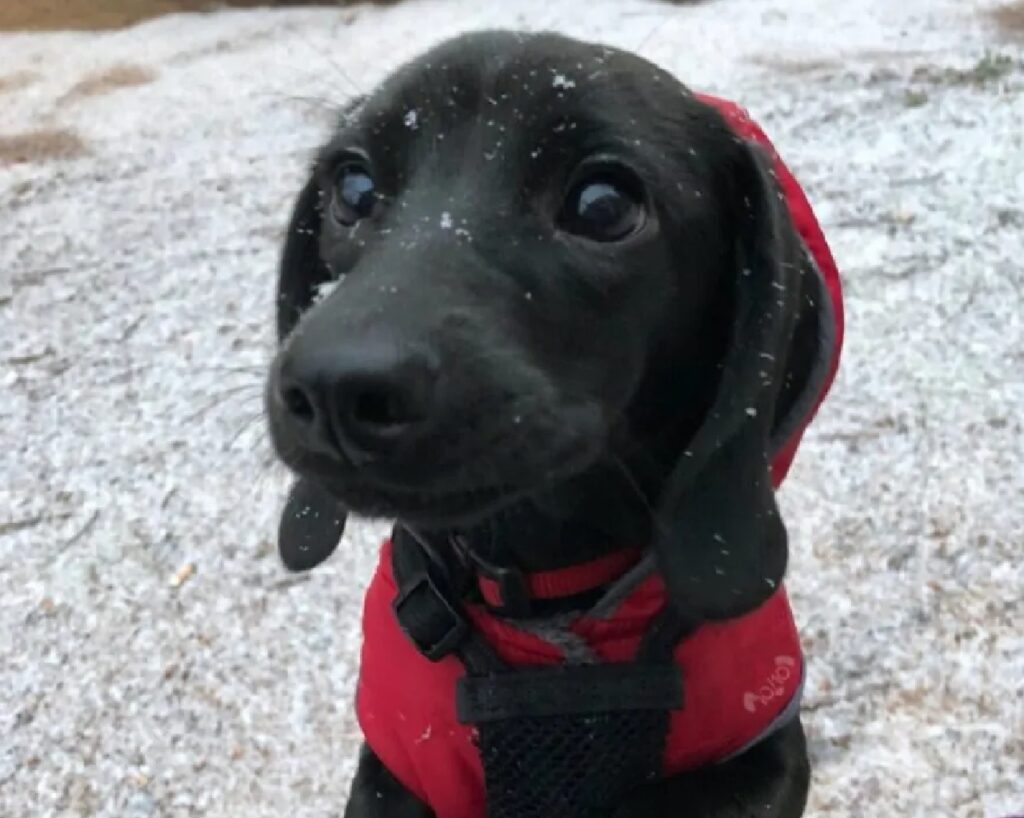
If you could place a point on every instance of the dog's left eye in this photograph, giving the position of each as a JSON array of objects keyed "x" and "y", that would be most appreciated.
[
  {"x": 605, "y": 206},
  {"x": 354, "y": 194}
]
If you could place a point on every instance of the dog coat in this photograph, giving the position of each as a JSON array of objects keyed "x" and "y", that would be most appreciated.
[{"x": 598, "y": 701}]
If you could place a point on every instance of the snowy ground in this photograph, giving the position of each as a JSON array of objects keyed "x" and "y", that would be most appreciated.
[{"x": 137, "y": 250}]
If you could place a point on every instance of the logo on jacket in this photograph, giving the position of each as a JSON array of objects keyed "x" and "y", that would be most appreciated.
[{"x": 773, "y": 687}]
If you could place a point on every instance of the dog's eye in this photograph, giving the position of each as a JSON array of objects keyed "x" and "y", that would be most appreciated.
[
  {"x": 354, "y": 194},
  {"x": 605, "y": 206}
]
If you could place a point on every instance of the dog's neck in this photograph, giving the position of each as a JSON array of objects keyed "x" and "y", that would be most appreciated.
[
  {"x": 578, "y": 537},
  {"x": 579, "y": 521}
]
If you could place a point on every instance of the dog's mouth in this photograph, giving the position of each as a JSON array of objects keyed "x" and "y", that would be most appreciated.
[
  {"x": 424, "y": 506},
  {"x": 440, "y": 484},
  {"x": 439, "y": 502}
]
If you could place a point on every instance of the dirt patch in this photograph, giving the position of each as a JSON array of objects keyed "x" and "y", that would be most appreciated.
[
  {"x": 990, "y": 68},
  {"x": 796, "y": 67},
  {"x": 808, "y": 66},
  {"x": 1009, "y": 19},
  {"x": 103, "y": 82},
  {"x": 35, "y": 15},
  {"x": 40, "y": 146},
  {"x": 17, "y": 81}
]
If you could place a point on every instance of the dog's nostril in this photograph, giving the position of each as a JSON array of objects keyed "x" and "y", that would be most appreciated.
[
  {"x": 378, "y": 412},
  {"x": 298, "y": 404},
  {"x": 381, "y": 409}
]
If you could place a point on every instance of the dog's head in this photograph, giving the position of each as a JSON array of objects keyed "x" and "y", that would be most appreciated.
[{"x": 524, "y": 260}]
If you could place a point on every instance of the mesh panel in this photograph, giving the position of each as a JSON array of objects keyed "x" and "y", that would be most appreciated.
[{"x": 568, "y": 766}]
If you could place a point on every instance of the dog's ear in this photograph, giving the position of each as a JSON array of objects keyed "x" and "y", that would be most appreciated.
[
  {"x": 722, "y": 546},
  {"x": 311, "y": 526},
  {"x": 301, "y": 270},
  {"x": 311, "y": 522}
]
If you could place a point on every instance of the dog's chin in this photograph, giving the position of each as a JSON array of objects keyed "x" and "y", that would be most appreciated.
[
  {"x": 437, "y": 506},
  {"x": 427, "y": 508},
  {"x": 439, "y": 502}
]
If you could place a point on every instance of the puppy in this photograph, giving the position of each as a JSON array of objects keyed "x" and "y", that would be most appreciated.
[{"x": 565, "y": 321}]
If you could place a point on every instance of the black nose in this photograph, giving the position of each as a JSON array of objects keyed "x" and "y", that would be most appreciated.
[{"x": 366, "y": 402}]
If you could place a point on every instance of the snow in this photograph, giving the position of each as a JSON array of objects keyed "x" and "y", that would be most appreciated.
[
  {"x": 136, "y": 303},
  {"x": 324, "y": 289}
]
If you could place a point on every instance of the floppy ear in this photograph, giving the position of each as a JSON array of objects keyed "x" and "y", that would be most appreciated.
[
  {"x": 311, "y": 526},
  {"x": 312, "y": 521},
  {"x": 301, "y": 269},
  {"x": 722, "y": 546}
]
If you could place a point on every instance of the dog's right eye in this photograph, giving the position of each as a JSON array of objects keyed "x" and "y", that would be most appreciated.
[
  {"x": 606, "y": 205},
  {"x": 354, "y": 194}
]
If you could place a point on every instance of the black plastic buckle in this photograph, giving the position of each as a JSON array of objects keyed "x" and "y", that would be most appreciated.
[
  {"x": 428, "y": 618},
  {"x": 515, "y": 593}
]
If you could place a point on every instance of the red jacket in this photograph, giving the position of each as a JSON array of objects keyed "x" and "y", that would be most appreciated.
[{"x": 741, "y": 674}]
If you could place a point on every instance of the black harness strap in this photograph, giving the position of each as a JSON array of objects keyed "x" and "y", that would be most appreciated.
[
  {"x": 428, "y": 606},
  {"x": 568, "y": 691}
]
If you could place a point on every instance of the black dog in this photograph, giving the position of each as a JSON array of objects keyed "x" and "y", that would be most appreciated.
[{"x": 540, "y": 303}]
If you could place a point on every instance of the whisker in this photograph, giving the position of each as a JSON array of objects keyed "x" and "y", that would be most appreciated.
[
  {"x": 331, "y": 63},
  {"x": 634, "y": 484},
  {"x": 319, "y": 102},
  {"x": 245, "y": 426},
  {"x": 666, "y": 19},
  {"x": 246, "y": 369},
  {"x": 219, "y": 398}
]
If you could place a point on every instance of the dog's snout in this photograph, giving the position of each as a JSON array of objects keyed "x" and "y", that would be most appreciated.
[{"x": 365, "y": 402}]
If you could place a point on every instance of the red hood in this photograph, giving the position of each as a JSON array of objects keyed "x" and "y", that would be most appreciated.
[{"x": 810, "y": 231}]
